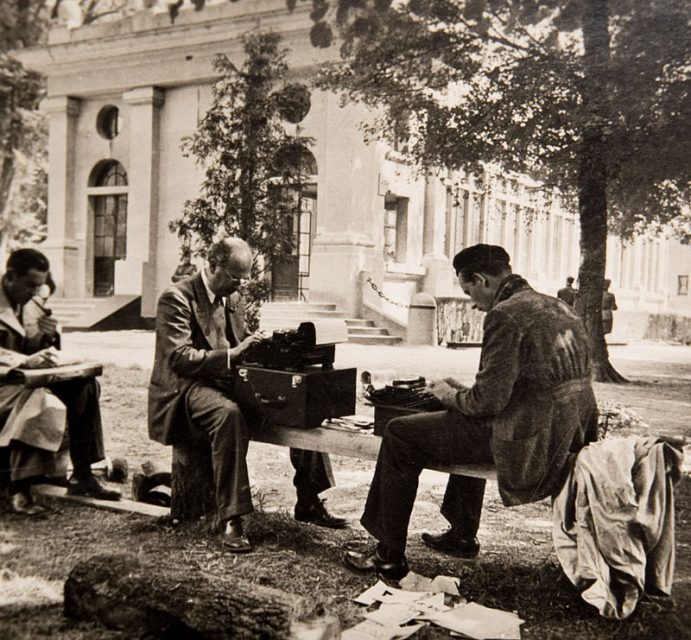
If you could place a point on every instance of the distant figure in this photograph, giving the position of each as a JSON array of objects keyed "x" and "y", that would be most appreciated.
[
  {"x": 609, "y": 304},
  {"x": 184, "y": 270},
  {"x": 567, "y": 293}
]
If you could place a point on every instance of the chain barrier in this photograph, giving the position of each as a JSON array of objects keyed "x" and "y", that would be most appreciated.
[{"x": 384, "y": 297}]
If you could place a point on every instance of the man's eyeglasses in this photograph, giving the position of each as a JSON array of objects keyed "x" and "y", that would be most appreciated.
[{"x": 233, "y": 278}]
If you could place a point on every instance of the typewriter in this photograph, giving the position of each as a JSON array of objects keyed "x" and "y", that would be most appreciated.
[
  {"x": 400, "y": 398},
  {"x": 297, "y": 349},
  {"x": 290, "y": 379}
]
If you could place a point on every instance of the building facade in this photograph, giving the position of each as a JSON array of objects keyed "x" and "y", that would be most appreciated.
[{"x": 122, "y": 95}]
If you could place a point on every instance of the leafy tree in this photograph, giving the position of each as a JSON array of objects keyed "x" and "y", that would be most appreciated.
[
  {"x": 587, "y": 95},
  {"x": 23, "y": 134},
  {"x": 253, "y": 167}
]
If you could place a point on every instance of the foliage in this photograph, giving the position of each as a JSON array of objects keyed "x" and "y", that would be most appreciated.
[
  {"x": 253, "y": 167},
  {"x": 503, "y": 81}
]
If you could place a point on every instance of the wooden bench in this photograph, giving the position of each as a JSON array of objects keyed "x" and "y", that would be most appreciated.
[{"x": 192, "y": 490}]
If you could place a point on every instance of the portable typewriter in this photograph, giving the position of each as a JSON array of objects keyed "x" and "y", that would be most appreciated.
[
  {"x": 289, "y": 378},
  {"x": 400, "y": 398}
]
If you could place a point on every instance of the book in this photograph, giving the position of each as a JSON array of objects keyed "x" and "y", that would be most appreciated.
[{"x": 50, "y": 375}]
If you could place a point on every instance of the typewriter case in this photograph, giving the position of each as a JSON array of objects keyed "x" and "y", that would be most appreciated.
[{"x": 295, "y": 398}]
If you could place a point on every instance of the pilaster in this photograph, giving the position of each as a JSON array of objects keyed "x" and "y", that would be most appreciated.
[
  {"x": 144, "y": 105},
  {"x": 60, "y": 246}
]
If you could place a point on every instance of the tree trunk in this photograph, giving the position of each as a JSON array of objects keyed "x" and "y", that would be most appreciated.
[
  {"x": 120, "y": 592},
  {"x": 592, "y": 185},
  {"x": 192, "y": 491}
]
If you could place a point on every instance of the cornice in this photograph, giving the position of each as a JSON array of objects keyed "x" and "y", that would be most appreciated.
[
  {"x": 61, "y": 104},
  {"x": 145, "y": 96}
]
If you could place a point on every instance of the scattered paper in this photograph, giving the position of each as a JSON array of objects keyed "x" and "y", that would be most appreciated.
[
  {"x": 446, "y": 584},
  {"x": 369, "y": 596},
  {"x": 429, "y": 605},
  {"x": 480, "y": 622},
  {"x": 394, "y": 615},
  {"x": 415, "y": 582},
  {"x": 370, "y": 630}
]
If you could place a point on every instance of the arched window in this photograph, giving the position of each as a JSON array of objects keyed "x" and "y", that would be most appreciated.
[{"x": 108, "y": 195}]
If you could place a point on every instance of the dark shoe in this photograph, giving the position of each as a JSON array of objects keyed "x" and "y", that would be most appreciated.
[
  {"x": 90, "y": 487},
  {"x": 452, "y": 545},
  {"x": 23, "y": 504},
  {"x": 316, "y": 513},
  {"x": 233, "y": 539},
  {"x": 371, "y": 562}
]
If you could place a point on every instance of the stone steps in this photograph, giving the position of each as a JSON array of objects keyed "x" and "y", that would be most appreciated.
[{"x": 281, "y": 315}]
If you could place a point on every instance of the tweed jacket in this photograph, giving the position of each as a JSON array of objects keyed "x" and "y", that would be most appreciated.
[
  {"x": 191, "y": 348},
  {"x": 533, "y": 387}
]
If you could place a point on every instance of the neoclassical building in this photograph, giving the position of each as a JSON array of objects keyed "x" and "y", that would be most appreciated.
[{"x": 122, "y": 95}]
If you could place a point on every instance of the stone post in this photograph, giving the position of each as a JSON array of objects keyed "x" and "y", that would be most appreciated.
[
  {"x": 60, "y": 246},
  {"x": 142, "y": 202}
]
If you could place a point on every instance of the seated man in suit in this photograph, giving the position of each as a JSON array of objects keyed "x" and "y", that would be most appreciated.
[
  {"x": 530, "y": 411},
  {"x": 34, "y": 420},
  {"x": 200, "y": 334}
]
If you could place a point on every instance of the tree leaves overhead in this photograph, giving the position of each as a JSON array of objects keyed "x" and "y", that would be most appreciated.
[{"x": 503, "y": 80}]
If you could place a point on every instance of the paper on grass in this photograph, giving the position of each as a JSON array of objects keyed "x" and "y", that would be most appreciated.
[
  {"x": 369, "y": 596},
  {"x": 371, "y": 630},
  {"x": 415, "y": 582},
  {"x": 482, "y": 623},
  {"x": 430, "y": 604},
  {"x": 393, "y": 615}
]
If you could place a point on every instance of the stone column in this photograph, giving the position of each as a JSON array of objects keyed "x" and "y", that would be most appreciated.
[
  {"x": 438, "y": 280},
  {"x": 60, "y": 245},
  {"x": 139, "y": 274}
]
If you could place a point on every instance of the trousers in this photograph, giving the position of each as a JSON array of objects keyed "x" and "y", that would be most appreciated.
[
  {"x": 411, "y": 443},
  {"x": 213, "y": 414},
  {"x": 84, "y": 431}
]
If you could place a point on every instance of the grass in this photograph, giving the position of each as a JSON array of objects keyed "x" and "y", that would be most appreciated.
[{"x": 517, "y": 569}]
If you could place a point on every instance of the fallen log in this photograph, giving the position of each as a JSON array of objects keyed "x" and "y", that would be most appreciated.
[{"x": 120, "y": 592}]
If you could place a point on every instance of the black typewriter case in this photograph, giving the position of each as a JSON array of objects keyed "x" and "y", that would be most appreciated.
[{"x": 295, "y": 398}]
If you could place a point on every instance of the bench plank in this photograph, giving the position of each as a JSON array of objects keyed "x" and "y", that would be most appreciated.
[{"x": 342, "y": 441}]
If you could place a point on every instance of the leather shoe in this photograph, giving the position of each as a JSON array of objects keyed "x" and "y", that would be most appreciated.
[
  {"x": 23, "y": 503},
  {"x": 90, "y": 487},
  {"x": 316, "y": 513},
  {"x": 233, "y": 538},
  {"x": 371, "y": 562},
  {"x": 452, "y": 545}
]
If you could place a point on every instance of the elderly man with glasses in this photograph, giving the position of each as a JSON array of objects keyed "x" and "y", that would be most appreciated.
[{"x": 200, "y": 334}]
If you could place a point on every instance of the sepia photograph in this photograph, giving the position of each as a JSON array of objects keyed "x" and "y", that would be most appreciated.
[{"x": 345, "y": 319}]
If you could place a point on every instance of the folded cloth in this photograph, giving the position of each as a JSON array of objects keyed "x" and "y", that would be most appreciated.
[{"x": 613, "y": 522}]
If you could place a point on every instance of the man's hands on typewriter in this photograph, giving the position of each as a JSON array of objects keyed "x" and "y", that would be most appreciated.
[
  {"x": 445, "y": 390},
  {"x": 252, "y": 339}
]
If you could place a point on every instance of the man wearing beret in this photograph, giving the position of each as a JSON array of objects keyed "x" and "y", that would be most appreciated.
[{"x": 530, "y": 410}]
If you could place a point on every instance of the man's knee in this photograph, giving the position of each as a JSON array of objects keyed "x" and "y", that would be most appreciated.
[{"x": 214, "y": 412}]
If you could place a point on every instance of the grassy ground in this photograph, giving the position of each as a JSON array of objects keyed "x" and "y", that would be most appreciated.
[{"x": 517, "y": 569}]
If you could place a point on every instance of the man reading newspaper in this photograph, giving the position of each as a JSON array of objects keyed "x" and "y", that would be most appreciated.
[{"x": 33, "y": 421}]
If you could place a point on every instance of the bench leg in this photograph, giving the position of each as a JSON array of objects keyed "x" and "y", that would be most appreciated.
[{"x": 192, "y": 491}]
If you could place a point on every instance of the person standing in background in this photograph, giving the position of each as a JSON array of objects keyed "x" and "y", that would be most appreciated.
[
  {"x": 609, "y": 305},
  {"x": 568, "y": 293}
]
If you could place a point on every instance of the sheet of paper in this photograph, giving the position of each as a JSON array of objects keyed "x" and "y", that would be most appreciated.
[
  {"x": 398, "y": 596},
  {"x": 370, "y": 630},
  {"x": 369, "y": 596},
  {"x": 429, "y": 605},
  {"x": 415, "y": 582},
  {"x": 480, "y": 622},
  {"x": 408, "y": 630},
  {"x": 394, "y": 615},
  {"x": 446, "y": 584}
]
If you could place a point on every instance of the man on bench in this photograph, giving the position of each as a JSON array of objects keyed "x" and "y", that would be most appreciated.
[
  {"x": 200, "y": 334},
  {"x": 530, "y": 410}
]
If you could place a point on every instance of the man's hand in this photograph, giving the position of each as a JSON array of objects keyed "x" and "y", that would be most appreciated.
[
  {"x": 251, "y": 339},
  {"x": 48, "y": 326},
  {"x": 443, "y": 391},
  {"x": 43, "y": 359},
  {"x": 456, "y": 384}
]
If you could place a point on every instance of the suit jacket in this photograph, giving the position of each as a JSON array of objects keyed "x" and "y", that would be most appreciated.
[
  {"x": 533, "y": 388},
  {"x": 191, "y": 348},
  {"x": 13, "y": 336}
]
